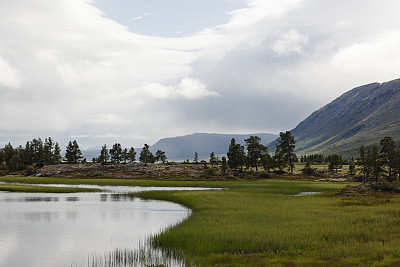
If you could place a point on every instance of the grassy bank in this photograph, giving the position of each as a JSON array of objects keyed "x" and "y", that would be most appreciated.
[
  {"x": 263, "y": 223},
  {"x": 119, "y": 182},
  {"x": 42, "y": 189}
]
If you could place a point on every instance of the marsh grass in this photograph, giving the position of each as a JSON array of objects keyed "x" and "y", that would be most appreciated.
[
  {"x": 264, "y": 223},
  {"x": 144, "y": 255},
  {"x": 42, "y": 189}
]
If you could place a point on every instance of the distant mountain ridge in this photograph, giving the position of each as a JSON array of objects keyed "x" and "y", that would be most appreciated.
[
  {"x": 363, "y": 115},
  {"x": 184, "y": 147}
]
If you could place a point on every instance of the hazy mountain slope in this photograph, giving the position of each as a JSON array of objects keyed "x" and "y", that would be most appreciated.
[
  {"x": 363, "y": 115},
  {"x": 183, "y": 147}
]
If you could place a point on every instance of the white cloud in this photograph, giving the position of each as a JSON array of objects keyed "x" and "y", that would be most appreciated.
[
  {"x": 137, "y": 18},
  {"x": 9, "y": 76},
  {"x": 81, "y": 74},
  {"x": 193, "y": 89},
  {"x": 188, "y": 88},
  {"x": 289, "y": 42}
]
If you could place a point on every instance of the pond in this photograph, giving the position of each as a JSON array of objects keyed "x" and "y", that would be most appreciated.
[{"x": 78, "y": 229}]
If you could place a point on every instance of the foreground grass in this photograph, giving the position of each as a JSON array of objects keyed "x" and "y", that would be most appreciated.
[
  {"x": 43, "y": 189},
  {"x": 265, "y": 224}
]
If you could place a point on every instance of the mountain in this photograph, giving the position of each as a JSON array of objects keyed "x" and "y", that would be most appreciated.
[
  {"x": 184, "y": 147},
  {"x": 363, "y": 115}
]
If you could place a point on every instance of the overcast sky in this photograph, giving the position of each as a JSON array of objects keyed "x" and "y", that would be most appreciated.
[{"x": 135, "y": 71}]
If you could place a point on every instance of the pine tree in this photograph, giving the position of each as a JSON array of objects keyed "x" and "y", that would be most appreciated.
[
  {"x": 73, "y": 154},
  {"x": 37, "y": 151},
  {"x": 69, "y": 153},
  {"x": 8, "y": 152},
  {"x": 48, "y": 148},
  {"x": 196, "y": 158},
  {"x": 124, "y": 155},
  {"x": 160, "y": 156},
  {"x": 279, "y": 159},
  {"x": 388, "y": 148},
  {"x": 131, "y": 155},
  {"x": 362, "y": 161},
  {"x": 57, "y": 154},
  {"x": 28, "y": 154},
  {"x": 287, "y": 145},
  {"x": 266, "y": 160},
  {"x": 212, "y": 159},
  {"x": 235, "y": 157},
  {"x": 376, "y": 163},
  {"x": 104, "y": 155},
  {"x": 115, "y": 153},
  {"x": 335, "y": 163},
  {"x": 254, "y": 150},
  {"x": 146, "y": 156},
  {"x": 224, "y": 165}
]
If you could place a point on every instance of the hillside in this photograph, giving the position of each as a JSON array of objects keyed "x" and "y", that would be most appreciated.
[
  {"x": 184, "y": 147},
  {"x": 363, "y": 115}
]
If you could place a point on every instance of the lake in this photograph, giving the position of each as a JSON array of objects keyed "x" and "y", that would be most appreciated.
[{"x": 77, "y": 229}]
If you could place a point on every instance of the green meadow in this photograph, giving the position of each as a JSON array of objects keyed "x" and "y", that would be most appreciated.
[{"x": 262, "y": 223}]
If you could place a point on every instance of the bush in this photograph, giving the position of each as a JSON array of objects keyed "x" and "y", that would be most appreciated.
[
  {"x": 209, "y": 172},
  {"x": 263, "y": 175},
  {"x": 308, "y": 170},
  {"x": 98, "y": 174}
]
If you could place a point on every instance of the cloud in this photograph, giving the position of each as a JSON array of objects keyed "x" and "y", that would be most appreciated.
[
  {"x": 9, "y": 76},
  {"x": 137, "y": 18},
  {"x": 289, "y": 42},
  {"x": 66, "y": 70}
]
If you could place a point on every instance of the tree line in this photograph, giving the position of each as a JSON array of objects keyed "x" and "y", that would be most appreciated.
[
  {"x": 118, "y": 155},
  {"x": 380, "y": 161},
  {"x": 257, "y": 154},
  {"x": 38, "y": 153}
]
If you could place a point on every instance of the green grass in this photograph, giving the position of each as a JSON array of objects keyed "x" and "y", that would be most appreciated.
[
  {"x": 42, "y": 189},
  {"x": 263, "y": 223}
]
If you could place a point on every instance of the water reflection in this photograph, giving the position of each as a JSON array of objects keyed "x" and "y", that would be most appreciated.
[
  {"x": 41, "y": 216},
  {"x": 72, "y": 198},
  {"x": 62, "y": 229},
  {"x": 29, "y": 199}
]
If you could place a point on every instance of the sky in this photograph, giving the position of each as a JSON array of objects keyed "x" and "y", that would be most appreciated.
[{"x": 135, "y": 71}]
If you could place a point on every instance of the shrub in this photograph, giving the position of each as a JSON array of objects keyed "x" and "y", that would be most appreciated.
[{"x": 98, "y": 174}]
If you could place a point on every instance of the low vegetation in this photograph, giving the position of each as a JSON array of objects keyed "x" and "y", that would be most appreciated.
[
  {"x": 43, "y": 189},
  {"x": 265, "y": 223}
]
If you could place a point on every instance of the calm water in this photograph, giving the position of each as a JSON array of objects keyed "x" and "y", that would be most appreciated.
[{"x": 65, "y": 229}]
